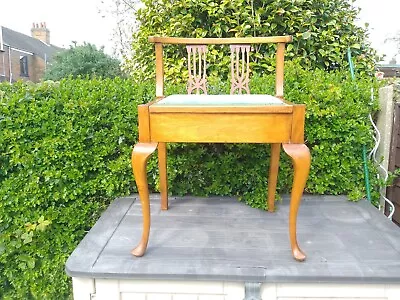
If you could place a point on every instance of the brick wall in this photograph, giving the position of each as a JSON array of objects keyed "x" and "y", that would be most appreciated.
[
  {"x": 36, "y": 66},
  {"x": 16, "y": 68}
]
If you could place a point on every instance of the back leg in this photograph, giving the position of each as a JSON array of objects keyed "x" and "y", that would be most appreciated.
[
  {"x": 162, "y": 166},
  {"x": 273, "y": 175}
]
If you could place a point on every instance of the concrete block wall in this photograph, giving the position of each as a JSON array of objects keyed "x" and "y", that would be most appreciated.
[{"x": 384, "y": 124}]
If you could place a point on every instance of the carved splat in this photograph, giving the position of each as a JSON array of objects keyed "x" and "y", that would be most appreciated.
[
  {"x": 197, "y": 68},
  {"x": 240, "y": 68}
]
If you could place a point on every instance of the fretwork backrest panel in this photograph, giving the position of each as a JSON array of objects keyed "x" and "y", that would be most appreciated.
[{"x": 240, "y": 49}]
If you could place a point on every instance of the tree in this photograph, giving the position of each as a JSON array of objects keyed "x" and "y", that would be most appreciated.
[
  {"x": 84, "y": 60},
  {"x": 396, "y": 41},
  {"x": 322, "y": 31},
  {"x": 122, "y": 11}
]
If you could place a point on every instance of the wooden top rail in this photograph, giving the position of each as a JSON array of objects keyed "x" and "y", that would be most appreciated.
[{"x": 220, "y": 41}]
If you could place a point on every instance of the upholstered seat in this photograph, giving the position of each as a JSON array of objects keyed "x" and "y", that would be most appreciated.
[{"x": 220, "y": 100}]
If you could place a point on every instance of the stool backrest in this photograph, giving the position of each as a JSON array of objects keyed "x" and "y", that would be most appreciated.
[{"x": 240, "y": 52}]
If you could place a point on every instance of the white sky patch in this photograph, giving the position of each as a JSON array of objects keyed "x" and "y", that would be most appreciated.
[
  {"x": 71, "y": 20},
  {"x": 383, "y": 18}
]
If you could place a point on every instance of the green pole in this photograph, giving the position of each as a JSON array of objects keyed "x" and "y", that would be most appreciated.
[
  {"x": 366, "y": 174},
  {"x": 350, "y": 64},
  {"x": 364, "y": 150}
]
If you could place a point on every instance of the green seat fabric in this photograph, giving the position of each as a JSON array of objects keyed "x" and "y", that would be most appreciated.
[{"x": 220, "y": 100}]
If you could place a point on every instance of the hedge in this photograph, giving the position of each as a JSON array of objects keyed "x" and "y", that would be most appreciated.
[
  {"x": 65, "y": 154},
  {"x": 322, "y": 32}
]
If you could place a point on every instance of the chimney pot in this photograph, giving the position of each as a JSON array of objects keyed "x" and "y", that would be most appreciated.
[{"x": 39, "y": 31}]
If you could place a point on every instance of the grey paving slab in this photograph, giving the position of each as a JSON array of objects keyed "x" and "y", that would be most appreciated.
[{"x": 220, "y": 238}]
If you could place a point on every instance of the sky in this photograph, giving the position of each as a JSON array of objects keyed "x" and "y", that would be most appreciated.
[
  {"x": 67, "y": 20},
  {"x": 383, "y": 19},
  {"x": 88, "y": 20}
]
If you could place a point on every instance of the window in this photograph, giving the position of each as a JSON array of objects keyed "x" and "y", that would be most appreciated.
[
  {"x": 2, "y": 65},
  {"x": 23, "y": 64}
]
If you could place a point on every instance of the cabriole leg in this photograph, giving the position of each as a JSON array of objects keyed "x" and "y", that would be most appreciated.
[
  {"x": 140, "y": 154},
  {"x": 301, "y": 158}
]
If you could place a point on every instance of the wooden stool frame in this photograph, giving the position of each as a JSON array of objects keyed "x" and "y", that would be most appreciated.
[{"x": 273, "y": 124}]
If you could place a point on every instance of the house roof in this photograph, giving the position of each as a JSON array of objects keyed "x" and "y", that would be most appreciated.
[
  {"x": 390, "y": 70},
  {"x": 27, "y": 43},
  {"x": 393, "y": 66}
]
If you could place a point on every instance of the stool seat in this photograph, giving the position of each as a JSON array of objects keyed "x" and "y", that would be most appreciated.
[{"x": 220, "y": 100}]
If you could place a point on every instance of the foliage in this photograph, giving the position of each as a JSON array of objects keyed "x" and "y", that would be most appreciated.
[
  {"x": 84, "y": 60},
  {"x": 322, "y": 31},
  {"x": 65, "y": 153},
  {"x": 121, "y": 11},
  {"x": 337, "y": 127},
  {"x": 396, "y": 41}
]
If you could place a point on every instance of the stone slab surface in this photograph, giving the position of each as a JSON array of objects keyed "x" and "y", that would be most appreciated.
[{"x": 222, "y": 239}]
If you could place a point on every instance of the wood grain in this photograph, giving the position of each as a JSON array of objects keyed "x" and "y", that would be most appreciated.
[
  {"x": 300, "y": 155},
  {"x": 220, "y": 127},
  {"x": 280, "y": 57},
  {"x": 297, "y": 135},
  {"x": 273, "y": 175},
  {"x": 144, "y": 123},
  {"x": 140, "y": 154},
  {"x": 162, "y": 166},
  {"x": 159, "y": 70},
  {"x": 220, "y": 41}
]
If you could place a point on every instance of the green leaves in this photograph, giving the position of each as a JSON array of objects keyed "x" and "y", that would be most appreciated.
[
  {"x": 306, "y": 35},
  {"x": 42, "y": 224},
  {"x": 83, "y": 60},
  {"x": 26, "y": 261},
  {"x": 27, "y": 237},
  {"x": 322, "y": 31},
  {"x": 65, "y": 154},
  {"x": 336, "y": 128}
]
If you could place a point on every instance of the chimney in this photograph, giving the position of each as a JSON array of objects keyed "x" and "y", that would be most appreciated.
[{"x": 40, "y": 32}]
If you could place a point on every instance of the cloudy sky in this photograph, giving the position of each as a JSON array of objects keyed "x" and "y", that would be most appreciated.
[
  {"x": 67, "y": 20},
  {"x": 87, "y": 20},
  {"x": 383, "y": 19}
]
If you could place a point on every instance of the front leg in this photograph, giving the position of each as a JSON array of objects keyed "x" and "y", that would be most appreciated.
[
  {"x": 301, "y": 158},
  {"x": 140, "y": 155}
]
